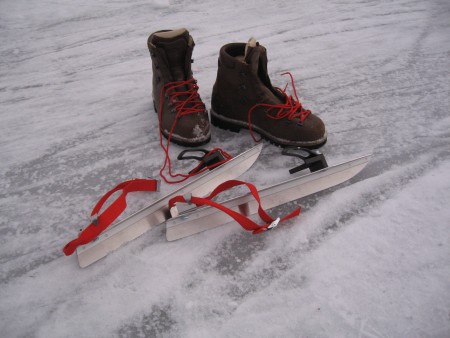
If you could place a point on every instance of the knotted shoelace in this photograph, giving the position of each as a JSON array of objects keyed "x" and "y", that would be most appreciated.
[{"x": 290, "y": 109}]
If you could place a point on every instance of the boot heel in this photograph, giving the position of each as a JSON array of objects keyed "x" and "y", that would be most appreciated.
[{"x": 224, "y": 125}]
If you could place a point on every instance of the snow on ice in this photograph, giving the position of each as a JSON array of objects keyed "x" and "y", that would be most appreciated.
[{"x": 366, "y": 259}]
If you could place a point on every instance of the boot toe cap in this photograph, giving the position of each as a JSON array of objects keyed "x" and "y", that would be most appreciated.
[{"x": 193, "y": 129}]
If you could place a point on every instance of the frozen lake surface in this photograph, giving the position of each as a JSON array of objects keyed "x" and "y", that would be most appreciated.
[{"x": 366, "y": 259}]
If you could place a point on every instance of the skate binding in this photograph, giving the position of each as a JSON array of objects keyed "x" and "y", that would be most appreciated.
[
  {"x": 207, "y": 159},
  {"x": 312, "y": 159}
]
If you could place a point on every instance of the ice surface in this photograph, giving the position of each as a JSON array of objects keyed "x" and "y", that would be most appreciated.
[{"x": 370, "y": 259}]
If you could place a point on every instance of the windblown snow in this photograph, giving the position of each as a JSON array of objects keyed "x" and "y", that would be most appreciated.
[{"x": 369, "y": 258}]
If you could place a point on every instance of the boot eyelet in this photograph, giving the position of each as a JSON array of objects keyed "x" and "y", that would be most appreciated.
[
  {"x": 243, "y": 87},
  {"x": 242, "y": 74}
]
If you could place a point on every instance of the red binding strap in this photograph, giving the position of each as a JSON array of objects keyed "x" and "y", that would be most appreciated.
[
  {"x": 244, "y": 221},
  {"x": 101, "y": 222}
]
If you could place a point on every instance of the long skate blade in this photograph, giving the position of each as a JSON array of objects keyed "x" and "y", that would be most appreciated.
[
  {"x": 205, "y": 218},
  {"x": 157, "y": 213}
]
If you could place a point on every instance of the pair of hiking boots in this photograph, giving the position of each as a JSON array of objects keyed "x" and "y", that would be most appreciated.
[{"x": 242, "y": 97}]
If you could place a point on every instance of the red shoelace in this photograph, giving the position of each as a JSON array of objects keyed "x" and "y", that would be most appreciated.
[
  {"x": 184, "y": 102},
  {"x": 291, "y": 109}
]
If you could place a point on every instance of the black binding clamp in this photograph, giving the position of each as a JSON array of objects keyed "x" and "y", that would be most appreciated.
[
  {"x": 206, "y": 159},
  {"x": 312, "y": 159}
]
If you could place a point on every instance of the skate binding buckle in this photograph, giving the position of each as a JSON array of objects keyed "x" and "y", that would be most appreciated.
[
  {"x": 207, "y": 158},
  {"x": 312, "y": 159},
  {"x": 273, "y": 225}
]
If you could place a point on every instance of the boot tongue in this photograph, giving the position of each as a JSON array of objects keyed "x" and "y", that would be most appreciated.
[
  {"x": 249, "y": 49},
  {"x": 255, "y": 55},
  {"x": 175, "y": 45}
]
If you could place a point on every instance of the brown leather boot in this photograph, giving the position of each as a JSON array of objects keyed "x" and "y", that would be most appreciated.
[
  {"x": 243, "y": 97},
  {"x": 183, "y": 118}
]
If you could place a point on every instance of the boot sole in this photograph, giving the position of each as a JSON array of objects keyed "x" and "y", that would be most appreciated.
[
  {"x": 235, "y": 126},
  {"x": 182, "y": 141}
]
